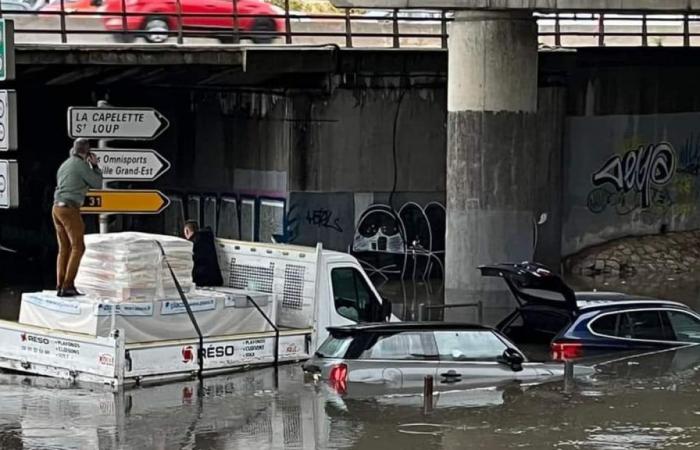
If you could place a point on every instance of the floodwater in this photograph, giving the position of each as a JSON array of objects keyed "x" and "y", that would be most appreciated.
[
  {"x": 650, "y": 401},
  {"x": 645, "y": 402}
]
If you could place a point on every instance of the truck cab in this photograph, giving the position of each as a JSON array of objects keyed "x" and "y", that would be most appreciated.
[{"x": 313, "y": 287}]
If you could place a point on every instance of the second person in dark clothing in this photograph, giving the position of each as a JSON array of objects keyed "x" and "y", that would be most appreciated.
[{"x": 206, "y": 271}]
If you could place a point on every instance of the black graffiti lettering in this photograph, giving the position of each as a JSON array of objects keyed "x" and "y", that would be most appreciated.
[
  {"x": 638, "y": 170},
  {"x": 322, "y": 218}
]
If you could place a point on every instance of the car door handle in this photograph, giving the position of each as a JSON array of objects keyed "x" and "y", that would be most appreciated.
[{"x": 451, "y": 376}]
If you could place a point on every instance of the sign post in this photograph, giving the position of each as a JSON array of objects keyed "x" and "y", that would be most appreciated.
[
  {"x": 106, "y": 122},
  {"x": 9, "y": 191},
  {"x": 114, "y": 201},
  {"x": 115, "y": 123}
]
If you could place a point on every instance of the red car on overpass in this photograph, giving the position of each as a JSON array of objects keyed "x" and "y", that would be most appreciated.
[{"x": 156, "y": 20}]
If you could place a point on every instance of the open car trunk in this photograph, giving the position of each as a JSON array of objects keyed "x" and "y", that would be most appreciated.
[{"x": 546, "y": 304}]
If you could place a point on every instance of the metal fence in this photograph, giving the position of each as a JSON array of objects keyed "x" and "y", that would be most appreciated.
[{"x": 231, "y": 22}]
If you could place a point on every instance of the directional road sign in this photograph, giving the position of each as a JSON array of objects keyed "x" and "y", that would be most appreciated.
[
  {"x": 9, "y": 181},
  {"x": 124, "y": 201},
  {"x": 7, "y": 50},
  {"x": 131, "y": 165},
  {"x": 8, "y": 120},
  {"x": 115, "y": 123}
]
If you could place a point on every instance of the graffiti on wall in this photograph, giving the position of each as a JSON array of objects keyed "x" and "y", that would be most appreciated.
[
  {"x": 636, "y": 180},
  {"x": 323, "y": 218},
  {"x": 627, "y": 175},
  {"x": 404, "y": 243}
]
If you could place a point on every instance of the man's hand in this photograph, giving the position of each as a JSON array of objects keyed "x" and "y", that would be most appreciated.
[{"x": 91, "y": 159}]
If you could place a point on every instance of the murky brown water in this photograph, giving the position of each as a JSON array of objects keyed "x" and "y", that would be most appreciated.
[
  {"x": 646, "y": 402},
  {"x": 649, "y": 402}
]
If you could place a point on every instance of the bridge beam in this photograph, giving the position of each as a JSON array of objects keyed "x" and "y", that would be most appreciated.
[{"x": 491, "y": 143}]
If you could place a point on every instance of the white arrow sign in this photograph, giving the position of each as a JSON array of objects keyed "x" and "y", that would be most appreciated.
[
  {"x": 115, "y": 123},
  {"x": 133, "y": 165}
]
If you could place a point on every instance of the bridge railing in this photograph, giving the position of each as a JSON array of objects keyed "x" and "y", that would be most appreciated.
[{"x": 90, "y": 22}]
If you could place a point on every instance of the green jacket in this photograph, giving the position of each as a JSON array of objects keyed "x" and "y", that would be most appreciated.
[{"x": 73, "y": 180}]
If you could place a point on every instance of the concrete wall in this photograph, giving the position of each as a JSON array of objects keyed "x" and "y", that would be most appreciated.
[
  {"x": 631, "y": 146},
  {"x": 630, "y": 175},
  {"x": 313, "y": 153}
]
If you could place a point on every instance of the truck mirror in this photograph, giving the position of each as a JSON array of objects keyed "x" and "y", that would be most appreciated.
[{"x": 386, "y": 309}]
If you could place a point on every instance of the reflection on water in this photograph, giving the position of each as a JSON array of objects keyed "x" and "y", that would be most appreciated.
[{"x": 639, "y": 402}]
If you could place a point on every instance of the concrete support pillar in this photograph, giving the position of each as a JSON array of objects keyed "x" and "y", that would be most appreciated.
[{"x": 491, "y": 144}]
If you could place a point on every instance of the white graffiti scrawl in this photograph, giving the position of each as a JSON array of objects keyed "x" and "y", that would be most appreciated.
[{"x": 639, "y": 170}]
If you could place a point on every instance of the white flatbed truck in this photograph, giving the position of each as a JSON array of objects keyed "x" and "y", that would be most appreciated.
[{"x": 310, "y": 289}]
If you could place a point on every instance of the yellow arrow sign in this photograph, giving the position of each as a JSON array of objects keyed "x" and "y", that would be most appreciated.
[{"x": 124, "y": 201}]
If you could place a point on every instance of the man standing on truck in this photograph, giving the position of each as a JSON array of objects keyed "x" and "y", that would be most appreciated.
[
  {"x": 206, "y": 271},
  {"x": 75, "y": 176}
]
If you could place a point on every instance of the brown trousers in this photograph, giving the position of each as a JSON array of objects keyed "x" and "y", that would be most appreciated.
[{"x": 70, "y": 230}]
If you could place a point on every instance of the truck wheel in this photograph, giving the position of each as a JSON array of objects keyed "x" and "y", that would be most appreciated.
[
  {"x": 156, "y": 29},
  {"x": 265, "y": 30}
]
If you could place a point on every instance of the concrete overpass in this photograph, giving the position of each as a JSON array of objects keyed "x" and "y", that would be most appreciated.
[
  {"x": 532, "y": 5},
  {"x": 326, "y": 131},
  {"x": 492, "y": 103}
]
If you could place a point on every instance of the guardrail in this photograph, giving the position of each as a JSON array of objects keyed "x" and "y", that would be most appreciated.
[{"x": 230, "y": 22}]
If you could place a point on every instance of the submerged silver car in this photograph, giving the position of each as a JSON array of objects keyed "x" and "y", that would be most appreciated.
[{"x": 398, "y": 356}]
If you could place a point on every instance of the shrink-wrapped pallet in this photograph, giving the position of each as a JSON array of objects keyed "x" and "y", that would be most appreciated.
[{"x": 129, "y": 266}]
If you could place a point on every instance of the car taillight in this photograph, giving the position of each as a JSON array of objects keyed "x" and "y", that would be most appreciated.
[
  {"x": 562, "y": 351},
  {"x": 338, "y": 378}
]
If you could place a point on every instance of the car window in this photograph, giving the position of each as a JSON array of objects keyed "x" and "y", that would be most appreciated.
[
  {"x": 647, "y": 325},
  {"x": 544, "y": 322},
  {"x": 685, "y": 326},
  {"x": 334, "y": 347},
  {"x": 606, "y": 325},
  {"x": 405, "y": 346},
  {"x": 352, "y": 298},
  {"x": 469, "y": 345}
]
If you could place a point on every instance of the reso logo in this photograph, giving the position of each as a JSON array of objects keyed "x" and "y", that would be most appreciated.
[
  {"x": 215, "y": 351},
  {"x": 35, "y": 339},
  {"x": 219, "y": 351},
  {"x": 187, "y": 354}
]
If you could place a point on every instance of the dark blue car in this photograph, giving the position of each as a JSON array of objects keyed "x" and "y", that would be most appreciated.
[{"x": 576, "y": 324}]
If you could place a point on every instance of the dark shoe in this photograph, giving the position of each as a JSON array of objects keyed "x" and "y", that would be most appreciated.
[{"x": 69, "y": 292}]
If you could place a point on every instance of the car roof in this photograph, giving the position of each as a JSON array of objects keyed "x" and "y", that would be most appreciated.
[
  {"x": 408, "y": 326},
  {"x": 587, "y": 301}
]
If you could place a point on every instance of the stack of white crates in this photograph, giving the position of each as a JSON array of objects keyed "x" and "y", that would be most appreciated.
[
  {"x": 129, "y": 267},
  {"x": 128, "y": 286}
]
